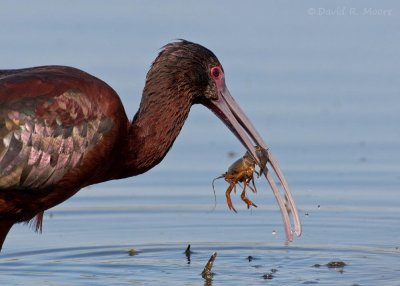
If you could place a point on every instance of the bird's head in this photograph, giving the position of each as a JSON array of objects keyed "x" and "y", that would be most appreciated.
[{"x": 191, "y": 70}]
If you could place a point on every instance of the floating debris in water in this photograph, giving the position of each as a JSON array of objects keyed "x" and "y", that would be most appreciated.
[
  {"x": 268, "y": 276},
  {"x": 132, "y": 252},
  {"x": 336, "y": 264},
  {"x": 274, "y": 232},
  {"x": 188, "y": 252},
  {"x": 332, "y": 264},
  {"x": 207, "y": 273}
]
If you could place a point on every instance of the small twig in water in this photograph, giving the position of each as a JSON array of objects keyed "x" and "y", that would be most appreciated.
[
  {"x": 188, "y": 252},
  {"x": 207, "y": 273}
]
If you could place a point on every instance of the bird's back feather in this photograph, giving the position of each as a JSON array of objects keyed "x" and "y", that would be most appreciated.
[{"x": 46, "y": 134}]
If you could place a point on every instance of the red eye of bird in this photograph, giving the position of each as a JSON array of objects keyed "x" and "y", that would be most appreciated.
[{"x": 215, "y": 72}]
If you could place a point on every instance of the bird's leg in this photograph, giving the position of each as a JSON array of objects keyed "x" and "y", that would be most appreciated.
[
  {"x": 228, "y": 196},
  {"x": 243, "y": 195}
]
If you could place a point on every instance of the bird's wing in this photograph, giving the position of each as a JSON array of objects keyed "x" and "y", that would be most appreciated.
[{"x": 44, "y": 137}]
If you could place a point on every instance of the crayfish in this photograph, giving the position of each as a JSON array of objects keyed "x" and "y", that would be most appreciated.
[{"x": 242, "y": 171}]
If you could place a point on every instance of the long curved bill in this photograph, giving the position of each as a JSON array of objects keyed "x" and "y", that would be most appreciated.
[{"x": 235, "y": 119}]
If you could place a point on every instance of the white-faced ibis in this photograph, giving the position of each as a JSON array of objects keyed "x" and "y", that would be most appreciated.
[{"x": 62, "y": 129}]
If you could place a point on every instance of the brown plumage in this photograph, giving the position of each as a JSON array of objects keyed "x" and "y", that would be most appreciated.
[{"x": 62, "y": 129}]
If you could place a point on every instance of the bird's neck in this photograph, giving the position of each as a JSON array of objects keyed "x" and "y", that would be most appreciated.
[{"x": 154, "y": 129}]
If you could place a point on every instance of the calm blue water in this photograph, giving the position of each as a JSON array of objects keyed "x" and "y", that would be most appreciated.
[{"x": 320, "y": 81}]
